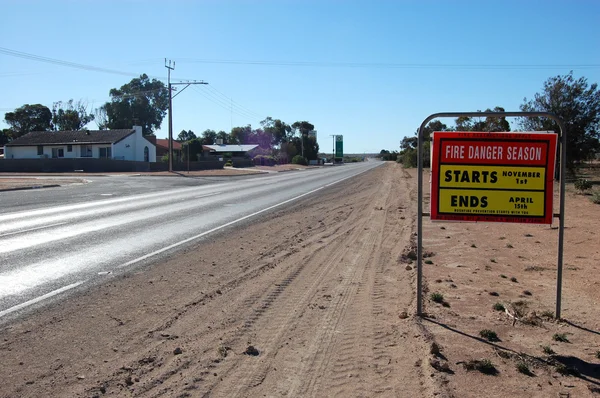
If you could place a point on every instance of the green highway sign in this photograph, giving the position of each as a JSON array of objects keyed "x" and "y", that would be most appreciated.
[{"x": 339, "y": 146}]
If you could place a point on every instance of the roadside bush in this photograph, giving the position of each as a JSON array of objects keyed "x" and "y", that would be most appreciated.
[
  {"x": 298, "y": 159},
  {"x": 264, "y": 160},
  {"x": 596, "y": 197},
  {"x": 408, "y": 158},
  {"x": 489, "y": 335},
  {"x": 437, "y": 297},
  {"x": 229, "y": 163},
  {"x": 582, "y": 185}
]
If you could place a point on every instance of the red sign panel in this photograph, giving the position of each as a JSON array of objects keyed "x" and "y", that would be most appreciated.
[{"x": 501, "y": 177}]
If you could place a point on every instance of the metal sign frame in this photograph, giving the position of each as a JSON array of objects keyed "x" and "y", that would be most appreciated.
[{"x": 560, "y": 214}]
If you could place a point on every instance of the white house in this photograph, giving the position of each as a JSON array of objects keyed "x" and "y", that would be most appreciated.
[{"x": 126, "y": 144}]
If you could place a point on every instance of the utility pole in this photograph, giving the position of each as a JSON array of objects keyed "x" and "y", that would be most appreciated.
[
  {"x": 171, "y": 96},
  {"x": 333, "y": 149},
  {"x": 170, "y": 68}
]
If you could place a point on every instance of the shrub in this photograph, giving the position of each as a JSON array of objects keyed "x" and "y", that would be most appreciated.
[
  {"x": 565, "y": 370},
  {"x": 298, "y": 159},
  {"x": 523, "y": 368},
  {"x": 548, "y": 350},
  {"x": 264, "y": 160},
  {"x": 582, "y": 185},
  {"x": 596, "y": 197},
  {"x": 408, "y": 158},
  {"x": 489, "y": 335},
  {"x": 484, "y": 366},
  {"x": 437, "y": 297},
  {"x": 498, "y": 307},
  {"x": 562, "y": 337},
  {"x": 228, "y": 164}
]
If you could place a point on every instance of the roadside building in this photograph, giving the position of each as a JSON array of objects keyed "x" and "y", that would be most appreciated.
[
  {"x": 124, "y": 144},
  {"x": 162, "y": 147},
  {"x": 232, "y": 151}
]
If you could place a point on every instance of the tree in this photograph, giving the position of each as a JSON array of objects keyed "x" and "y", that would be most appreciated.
[
  {"x": 311, "y": 148},
  {"x": 384, "y": 154},
  {"x": 577, "y": 104},
  {"x": 194, "y": 147},
  {"x": 101, "y": 118},
  {"x": 70, "y": 116},
  {"x": 5, "y": 136},
  {"x": 279, "y": 131},
  {"x": 490, "y": 124},
  {"x": 240, "y": 135},
  {"x": 141, "y": 102},
  {"x": 29, "y": 118},
  {"x": 302, "y": 128},
  {"x": 186, "y": 135},
  {"x": 496, "y": 124},
  {"x": 222, "y": 135},
  {"x": 208, "y": 137},
  {"x": 408, "y": 145}
]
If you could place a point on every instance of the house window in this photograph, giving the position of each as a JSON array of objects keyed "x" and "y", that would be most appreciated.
[
  {"x": 105, "y": 153},
  {"x": 146, "y": 154},
  {"x": 69, "y": 148},
  {"x": 58, "y": 153},
  {"x": 86, "y": 151},
  {"x": 40, "y": 149}
]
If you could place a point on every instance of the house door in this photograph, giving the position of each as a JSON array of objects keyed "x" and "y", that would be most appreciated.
[{"x": 146, "y": 154}]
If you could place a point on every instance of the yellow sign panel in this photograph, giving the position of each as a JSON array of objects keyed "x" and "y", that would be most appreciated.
[
  {"x": 500, "y": 177},
  {"x": 474, "y": 202}
]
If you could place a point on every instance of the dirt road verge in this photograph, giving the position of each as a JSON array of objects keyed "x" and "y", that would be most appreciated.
[
  {"x": 306, "y": 302},
  {"x": 479, "y": 277},
  {"x": 9, "y": 184},
  {"x": 318, "y": 300}
]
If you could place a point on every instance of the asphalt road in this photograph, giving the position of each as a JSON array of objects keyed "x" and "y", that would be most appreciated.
[{"x": 59, "y": 240}]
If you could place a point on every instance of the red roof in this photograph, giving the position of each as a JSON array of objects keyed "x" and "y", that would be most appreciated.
[{"x": 164, "y": 143}]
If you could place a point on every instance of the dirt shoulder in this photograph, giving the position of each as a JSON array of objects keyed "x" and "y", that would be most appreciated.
[
  {"x": 315, "y": 289},
  {"x": 318, "y": 300},
  {"x": 485, "y": 270},
  {"x": 10, "y": 181},
  {"x": 13, "y": 183}
]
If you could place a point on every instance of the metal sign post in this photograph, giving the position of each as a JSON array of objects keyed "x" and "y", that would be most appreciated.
[{"x": 560, "y": 215}]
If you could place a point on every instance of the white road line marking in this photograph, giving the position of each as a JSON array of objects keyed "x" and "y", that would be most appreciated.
[
  {"x": 40, "y": 298},
  {"x": 207, "y": 195},
  {"x": 174, "y": 245},
  {"x": 33, "y": 229}
]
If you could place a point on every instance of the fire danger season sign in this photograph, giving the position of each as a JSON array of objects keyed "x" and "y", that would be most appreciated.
[{"x": 501, "y": 177}]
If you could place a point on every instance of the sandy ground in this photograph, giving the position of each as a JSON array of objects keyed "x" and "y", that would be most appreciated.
[
  {"x": 318, "y": 300},
  {"x": 24, "y": 180},
  {"x": 476, "y": 266},
  {"x": 35, "y": 182}
]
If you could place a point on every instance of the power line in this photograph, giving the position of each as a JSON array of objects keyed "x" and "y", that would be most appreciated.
[
  {"x": 217, "y": 92},
  {"x": 54, "y": 61},
  {"x": 225, "y": 105},
  {"x": 387, "y": 65},
  {"x": 33, "y": 57}
]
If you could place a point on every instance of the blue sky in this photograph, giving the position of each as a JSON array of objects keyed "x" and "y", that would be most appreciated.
[{"x": 370, "y": 70}]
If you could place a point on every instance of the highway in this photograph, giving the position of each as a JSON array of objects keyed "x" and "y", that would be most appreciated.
[{"x": 60, "y": 240}]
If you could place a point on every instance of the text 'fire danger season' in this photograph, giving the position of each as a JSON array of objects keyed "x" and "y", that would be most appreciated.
[{"x": 501, "y": 177}]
